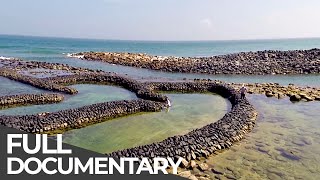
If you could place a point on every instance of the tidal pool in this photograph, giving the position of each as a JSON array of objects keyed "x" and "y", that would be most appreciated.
[
  {"x": 188, "y": 111},
  {"x": 88, "y": 94},
  {"x": 285, "y": 144}
]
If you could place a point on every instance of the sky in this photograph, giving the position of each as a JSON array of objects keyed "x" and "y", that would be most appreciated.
[{"x": 162, "y": 19}]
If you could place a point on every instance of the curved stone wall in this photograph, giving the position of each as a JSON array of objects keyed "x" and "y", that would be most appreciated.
[
  {"x": 127, "y": 83},
  {"x": 206, "y": 140},
  {"x": 36, "y": 82},
  {"x": 197, "y": 143}
]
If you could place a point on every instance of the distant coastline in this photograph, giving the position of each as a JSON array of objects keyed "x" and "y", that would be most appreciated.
[{"x": 159, "y": 41}]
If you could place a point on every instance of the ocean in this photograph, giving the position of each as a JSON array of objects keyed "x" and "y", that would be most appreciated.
[
  {"x": 285, "y": 143},
  {"x": 56, "y": 49}
]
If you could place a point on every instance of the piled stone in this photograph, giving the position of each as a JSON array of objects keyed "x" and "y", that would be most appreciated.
[
  {"x": 138, "y": 88},
  {"x": 258, "y": 63},
  {"x": 36, "y": 82},
  {"x": 79, "y": 117},
  {"x": 295, "y": 93},
  {"x": 21, "y": 65},
  {"x": 206, "y": 140},
  {"x": 27, "y": 99}
]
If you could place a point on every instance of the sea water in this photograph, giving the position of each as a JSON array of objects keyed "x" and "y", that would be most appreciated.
[
  {"x": 56, "y": 50},
  {"x": 283, "y": 145}
]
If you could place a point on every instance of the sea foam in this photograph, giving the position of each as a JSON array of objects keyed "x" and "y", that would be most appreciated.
[
  {"x": 73, "y": 55},
  {"x": 5, "y": 58}
]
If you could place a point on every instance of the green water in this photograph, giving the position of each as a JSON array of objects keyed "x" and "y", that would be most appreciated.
[
  {"x": 189, "y": 111},
  {"x": 88, "y": 94},
  {"x": 285, "y": 143},
  {"x": 9, "y": 87}
]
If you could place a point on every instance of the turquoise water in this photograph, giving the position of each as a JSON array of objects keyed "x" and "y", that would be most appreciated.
[
  {"x": 88, "y": 94},
  {"x": 52, "y": 49},
  {"x": 283, "y": 145},
  {"x": 189, "y": 111},
  {"x": 9, "y": 87}
]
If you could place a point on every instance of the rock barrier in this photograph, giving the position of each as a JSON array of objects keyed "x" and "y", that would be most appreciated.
[
  {"x": 36, "y": 82},
  {"x": 247, "y": 63},
  {"x": 132, "y": 85},
  {"x": 18, "y": 64},
  {"x": 27, "y": 99},
  {"x": 204, "y": 141},
  {"x": 79, "y": 117},
  {"x": 295, "y": 93}
]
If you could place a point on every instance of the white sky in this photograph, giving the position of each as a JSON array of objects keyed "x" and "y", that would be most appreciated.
[{"x": 162, "y": 19}]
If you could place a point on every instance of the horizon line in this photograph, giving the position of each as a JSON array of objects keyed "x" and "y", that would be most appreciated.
[{"x": 209, "y": 40}]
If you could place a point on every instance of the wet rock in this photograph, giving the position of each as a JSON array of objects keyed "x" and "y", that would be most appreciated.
[
  {"x": 230, "y": 176},
  {"x": 290, "y": 154},
  {"x": 281, "y": 158},
  {"x": 275, "y": 171},
  {"x": 184, "y": 163},
  {"x": 203, "y": 166},
  {"x": 307, "y": 140},
  {"x": 295, "y": 98},
  {"x": 185, "y": 174},
  {"x": 193, "y": 164},
  {"x": 269, "y": 94},
  {"x": 218, "y": 170},
  {"x": 192, "y": 177},
  {"x": 274, "y": 176},
  {"x": 281, "y": 96},
  {"x": 264, "y": 149},
  {"x": 204, "y": 178}
]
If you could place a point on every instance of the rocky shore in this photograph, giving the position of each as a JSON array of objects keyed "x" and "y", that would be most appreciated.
[
  {"x": 295, "y": 93},
  {"x": 28, "y": 99},
  {"x": 246, "y": 63}
]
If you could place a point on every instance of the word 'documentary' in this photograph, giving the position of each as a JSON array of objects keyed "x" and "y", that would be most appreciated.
[{"x": 74, "y": 165}]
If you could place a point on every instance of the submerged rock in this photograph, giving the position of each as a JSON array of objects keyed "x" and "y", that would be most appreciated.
[
  {"x": 203, "y": 166},
  {"x": 295, "y": 98}
]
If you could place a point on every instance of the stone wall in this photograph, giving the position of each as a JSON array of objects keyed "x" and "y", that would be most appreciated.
[
  {"x": 27, "y": 99},
  {"x": 258, "y": 63},
  {"x": 204, "y": 141},
  {"x": 36, "y": 82},
  {"x": 195, "y": 144},
  {"x": 79, "y": 117}
]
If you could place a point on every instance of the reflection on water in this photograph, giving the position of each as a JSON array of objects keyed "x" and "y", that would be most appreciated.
[
  {"x": 88, "y": 94},
  {"x": 285, "y": 144},
  {"x": 188, "y": 111}
]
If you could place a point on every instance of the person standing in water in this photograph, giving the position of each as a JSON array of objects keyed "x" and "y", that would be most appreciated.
[
  {"x": 168, "y": 102},
  {"x": 243, "y": 91}
]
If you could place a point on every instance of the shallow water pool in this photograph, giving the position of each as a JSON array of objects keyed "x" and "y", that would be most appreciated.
[
  {"x": 88, "y": 94},
  {"x": 285, "y": 144},
  {"x": 188, "y": 111}
]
